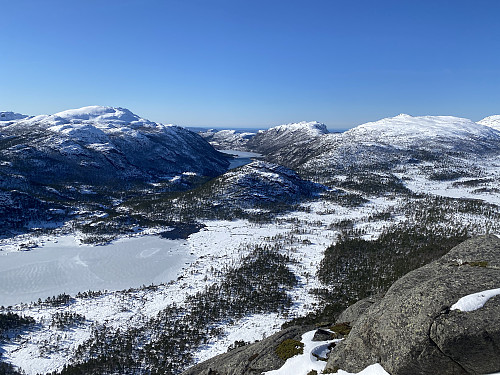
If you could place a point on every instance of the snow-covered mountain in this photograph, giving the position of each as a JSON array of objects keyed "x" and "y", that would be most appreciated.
[
  {"x": 403, "y": 139},
  {"x": 405, "y": 130},
  {"x": 103, "y": 144},
  {"x": 262, "y": 233},
  {"x": 10, "y": 116},
  {"x": 491, "y": 121},
  {"x": 76, "y": 162},
  {"x": 227, "y": 139},
  {"x": 287, "y": 144}
]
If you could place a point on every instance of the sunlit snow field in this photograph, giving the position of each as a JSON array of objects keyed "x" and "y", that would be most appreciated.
[{"x": 65, "y": 266}]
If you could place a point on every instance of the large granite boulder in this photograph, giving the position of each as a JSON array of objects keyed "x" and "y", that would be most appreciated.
[
  {"x": 356, "y": 310},
  {"x": 252, "y": 359},
  {"x": 412, "y": 329}
]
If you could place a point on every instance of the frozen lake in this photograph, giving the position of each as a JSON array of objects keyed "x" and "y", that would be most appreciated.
[{"x": 66, "y": 267}]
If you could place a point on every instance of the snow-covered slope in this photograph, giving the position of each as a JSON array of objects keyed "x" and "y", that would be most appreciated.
[
  {"x": 97, "y": 144},
  {"x": 227, "y": 139},
  {"x": 258, "y": 184},
  {"x": 404, "y": 139},
  {"x": 405, "y": 130},
  {"x": 10, "y": 116},
  {"x": 491, "y": 121},
  {"x": 304, "y": 128},
  {"x": 287, "y": 144},
  {"x": 105, "y": 118}
]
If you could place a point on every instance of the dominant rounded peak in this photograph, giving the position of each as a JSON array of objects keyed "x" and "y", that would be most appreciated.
[
  {"x": 421, "y": 127},
  {"x": 403, "y": 115},
  {"x": 96, "y": 112}
]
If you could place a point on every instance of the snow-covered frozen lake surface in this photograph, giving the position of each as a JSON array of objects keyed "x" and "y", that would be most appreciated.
[{"x": 64, "y": 266}]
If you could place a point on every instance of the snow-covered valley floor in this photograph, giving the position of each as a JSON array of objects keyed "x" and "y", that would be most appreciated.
[{"x": 178, "y": 269}]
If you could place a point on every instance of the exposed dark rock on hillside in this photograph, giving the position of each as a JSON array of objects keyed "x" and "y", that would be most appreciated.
[
  {"x": 412, "y": 330},
  {"x": 288, "y": 145},
  {"x": 356, "y": 310}
]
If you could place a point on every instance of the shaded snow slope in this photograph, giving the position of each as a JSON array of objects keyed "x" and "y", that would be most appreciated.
[
  {"x": 302, "y": 364},
  {"x": 10, "y": 116},
  {"x": 289, "y": 144}
]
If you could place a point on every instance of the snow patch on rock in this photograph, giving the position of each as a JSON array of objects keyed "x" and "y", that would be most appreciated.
[{"x": 475, "y": 301}]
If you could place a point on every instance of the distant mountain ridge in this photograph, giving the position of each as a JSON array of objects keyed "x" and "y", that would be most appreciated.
[
  {"x": 227, "y": 139},
  {"x": 309, "y": 145},
  {"x": 402, "y": 139},
  {"x": 9, "y": 116}
]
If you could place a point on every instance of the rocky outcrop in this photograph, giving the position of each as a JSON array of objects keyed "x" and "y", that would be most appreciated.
[
  {"x": 252, "y": 359},
  {"x": 412, "y": 329},
  {"x": 356, "y": 310},
  {"x": 258, "y": 184},
  {"x": 409, "y": 330}
]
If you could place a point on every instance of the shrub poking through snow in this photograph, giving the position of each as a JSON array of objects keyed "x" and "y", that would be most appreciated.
[
  {"x": 289, "y": 348},
  {"x": 341, "y": 328}
]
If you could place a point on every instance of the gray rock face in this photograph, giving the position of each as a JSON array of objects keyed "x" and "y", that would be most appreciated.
[
  {"x": 412, "y": 330},
  {"x": 251, "y": 359},
  {"x": 355, "y": 311}
]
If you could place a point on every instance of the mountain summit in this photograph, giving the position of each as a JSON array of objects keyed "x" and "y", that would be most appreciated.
[
  {"x": 404, "y": 129},
  {"x": 287, "y": 144},
  {"x": 103, "y": 144},
  {"x": 491, "y": 121}
]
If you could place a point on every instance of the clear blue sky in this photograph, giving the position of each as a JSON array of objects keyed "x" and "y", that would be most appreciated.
[{"x": 252, "y": 63}]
